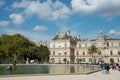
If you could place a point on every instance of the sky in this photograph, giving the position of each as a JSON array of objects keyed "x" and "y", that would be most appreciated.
[{"x": 42, "y": 19}]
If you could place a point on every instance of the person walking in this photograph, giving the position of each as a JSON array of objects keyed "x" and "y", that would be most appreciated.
[{"x": 107, "y": 68}]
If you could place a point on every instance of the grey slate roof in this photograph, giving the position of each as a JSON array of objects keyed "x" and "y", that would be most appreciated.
[{"x": 63, "y": 36}]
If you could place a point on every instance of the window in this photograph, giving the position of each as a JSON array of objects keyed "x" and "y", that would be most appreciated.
[
  {"x": 65, "y": 45},
  {"x": 99, "y": 52},
  {"x": 65, "y": 53},
  {"x": 82, "y": 45},
  {"x": 59, "y": 53},
  {"x": 118, "y": 60},
  {"x": 83, "y": 59},
  {"x": 111, "y": 52},
  {"x": 77, "y": 53},
  {"x": 77, "y": 59},
  {"x": 119, "y": 44},
  {"x": 83, "y": 53},
  {"x": 85, "y": 45},
  {"x": 54, "y": 46},
  {"x": 90, "y": 59},
  {"x": 59, "y": 46},
  {"x": 100, "y": 59},
  {"x": 53, "y": 52},
  {"x": 111, "y": 44},
  {"x": 79, "y": 45},
  {"x": 119, "y": 53}
]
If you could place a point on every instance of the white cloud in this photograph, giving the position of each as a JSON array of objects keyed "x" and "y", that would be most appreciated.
[
  {"x": 23, "y": 4},
  {"x": 114, "y": 33},
  {"x": 4, "y": 23},
  {"x": 105, "y": 8},
  {"x": 40, "y": 28},
  {"x": 47, "y": 10},
  {"x": 17, "y": 19}
]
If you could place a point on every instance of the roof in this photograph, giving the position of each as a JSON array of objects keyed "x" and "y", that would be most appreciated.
[
  {"x": 106, "y": 38},
  {"x": 63, "y": 36}
]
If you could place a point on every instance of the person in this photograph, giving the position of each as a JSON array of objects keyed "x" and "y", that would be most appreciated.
[
  {"x": 9, "y": 68},
  {"x": 14, "y": 65},
  {"x": 107, "y": 68},
  {"x": 102, "y": 67},
  {"x": 119, "y": 68},
  {"x": 113, "y": 66}
]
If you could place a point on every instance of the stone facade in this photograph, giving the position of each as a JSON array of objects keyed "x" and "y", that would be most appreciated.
[
  {"x": 44, "y": 43},
  {"x": 66, "y": 49}
]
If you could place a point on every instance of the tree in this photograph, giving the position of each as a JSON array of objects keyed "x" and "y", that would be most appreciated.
[
  {"x": 16, "y": 45},
  {"x": 80, "y": 60},
  {"x": 53, "y": 60},
  {"x": 92, "y": 50},
  {"x": 43, "y": 53},
  {"x": 111, "y": 60},
  {"x": 65, "y": 60}
]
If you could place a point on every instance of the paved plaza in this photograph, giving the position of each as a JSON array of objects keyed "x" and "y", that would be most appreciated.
[{"x": 114, "y": 75}]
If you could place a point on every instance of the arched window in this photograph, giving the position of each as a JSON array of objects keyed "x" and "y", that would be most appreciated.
[{"x": 59, "y": 53}]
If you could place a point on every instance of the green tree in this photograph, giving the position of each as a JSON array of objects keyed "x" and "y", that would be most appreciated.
[
  {"x": 111, "y": 60},
  {"x": 80, "y": 60},
  {"x": 91, "y": 51},
  {"x": 43, "y": 53},
  {"x": 65, "y": 60},
  {"x": 16, "y": 45},
  {"x": 53, "y": 60}
]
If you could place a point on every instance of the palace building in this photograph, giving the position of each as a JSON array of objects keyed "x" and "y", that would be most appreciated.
[{"x": 67, "y": 49}]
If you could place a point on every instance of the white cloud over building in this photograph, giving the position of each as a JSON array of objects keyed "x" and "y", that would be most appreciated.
[
  {"x": 105, "y": 8},
  {"x": 40, "y": 28}
]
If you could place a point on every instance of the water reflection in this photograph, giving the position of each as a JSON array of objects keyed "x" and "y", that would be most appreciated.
[
  {"x": 49, "y": 69},
  {"x": 68, "y": 69}
]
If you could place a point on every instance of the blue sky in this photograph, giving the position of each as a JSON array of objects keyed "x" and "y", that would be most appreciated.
[{"x": 41, "y": 19}]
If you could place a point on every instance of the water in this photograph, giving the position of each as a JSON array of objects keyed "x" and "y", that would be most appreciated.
[{"x": 49, "y": 69}]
